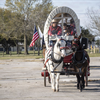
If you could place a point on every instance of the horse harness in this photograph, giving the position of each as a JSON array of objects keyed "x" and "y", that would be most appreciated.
[
  {"x": 82, "y": 61},
  {"x": 51, "y": 56}
]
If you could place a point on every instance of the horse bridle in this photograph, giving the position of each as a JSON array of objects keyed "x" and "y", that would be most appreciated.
[
  {"x": 64, "y": 47},
  {"x": 76, "y": 39}
]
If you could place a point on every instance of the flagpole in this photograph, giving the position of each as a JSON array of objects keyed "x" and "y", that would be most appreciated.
[
  {"x": 38, "y": 45},
  {"x": 41, "y": 36},
  {"x": 34, "y": 45},
  {"x": 34, "y": 50}
]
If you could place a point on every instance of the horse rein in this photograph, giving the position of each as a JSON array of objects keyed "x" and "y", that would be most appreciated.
[
  {"x": 75, "y": 39},
  {"x": 75, "y": 44}
]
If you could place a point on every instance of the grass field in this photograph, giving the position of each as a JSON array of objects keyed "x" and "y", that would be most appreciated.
[
  {"x": 31, "y": 55},
  {"x": 94, "y": 54},
  {"x": 14, "y": 55}
]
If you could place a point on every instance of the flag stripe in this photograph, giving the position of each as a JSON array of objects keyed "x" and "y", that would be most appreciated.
[
  {"x": 35, "y": 34},
  {"x": 33, "y": 42},
  {"x": 35, "y": 38}
]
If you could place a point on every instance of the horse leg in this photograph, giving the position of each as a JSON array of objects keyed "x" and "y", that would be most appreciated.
[
  {"x": 52, "y": 76},
  {"x": 78, "y": 80},
  {"x": 83, "y": 81},
  {"x": 57, "y": 82}
]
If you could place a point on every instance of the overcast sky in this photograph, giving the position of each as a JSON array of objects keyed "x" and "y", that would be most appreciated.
[{"x": 79, "y": 6}]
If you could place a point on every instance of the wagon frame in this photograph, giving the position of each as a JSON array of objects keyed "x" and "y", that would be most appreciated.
[{"x": 61, "y": 13}]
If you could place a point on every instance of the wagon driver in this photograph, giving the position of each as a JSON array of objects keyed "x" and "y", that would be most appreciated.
[{"x": 54, "y": 30}]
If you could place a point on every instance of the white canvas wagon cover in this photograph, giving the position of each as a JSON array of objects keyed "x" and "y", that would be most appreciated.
[{"x": 59, "y": 11}]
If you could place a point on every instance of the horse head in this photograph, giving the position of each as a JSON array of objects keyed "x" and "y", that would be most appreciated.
[
  {"x": 60, "y": 46},
  {"x": 76, "y": 43}
]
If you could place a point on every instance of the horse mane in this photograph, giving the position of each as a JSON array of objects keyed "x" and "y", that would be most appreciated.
[{"x": 53, "y": 59}]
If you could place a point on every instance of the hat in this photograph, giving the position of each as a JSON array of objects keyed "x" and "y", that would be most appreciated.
[{"x": 54, "y": 21}]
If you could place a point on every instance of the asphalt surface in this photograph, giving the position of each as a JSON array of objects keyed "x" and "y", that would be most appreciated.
[{"x": 21, "y": 80}]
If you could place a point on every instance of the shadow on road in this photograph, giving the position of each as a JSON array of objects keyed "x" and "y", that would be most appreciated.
[
  {"x": 95, "y": 67},
  {"x": 93, "y": 86}
]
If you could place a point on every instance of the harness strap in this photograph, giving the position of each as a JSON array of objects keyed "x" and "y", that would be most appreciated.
[
  {"x": 75, "y": 44},
  {"x": 79, "y": 62},
  {"x": 62, "y": 39},
  {"x": 56, "y": 66},
  {"x": 64, "y": 47},
  {"x": 46, "y": 62}
]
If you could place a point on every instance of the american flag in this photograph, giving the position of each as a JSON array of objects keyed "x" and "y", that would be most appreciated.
[{"x": 35, "y": 37}]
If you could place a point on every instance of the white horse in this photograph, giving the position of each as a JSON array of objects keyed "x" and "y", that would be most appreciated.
[{"x": 55, "y": 56}]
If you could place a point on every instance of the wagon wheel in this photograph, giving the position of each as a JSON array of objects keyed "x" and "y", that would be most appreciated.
[
  {"x": 49, "y": 80},
  {"x": 45, "y": 78},
  {"x": 86, "y": 80}
]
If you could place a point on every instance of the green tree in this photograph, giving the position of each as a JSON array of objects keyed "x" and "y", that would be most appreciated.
[
  {"x": 86, "y": 33},
  {"x": 4, "y": 19},
  {"x": 22, "y": 7},
  {"x": 30, "y": 12},
  {"x": 8, "y": 28},
  {"x": 40, "y": 13}
]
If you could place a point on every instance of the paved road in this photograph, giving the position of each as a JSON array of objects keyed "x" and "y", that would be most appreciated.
[{"x": 21, "y": 80}]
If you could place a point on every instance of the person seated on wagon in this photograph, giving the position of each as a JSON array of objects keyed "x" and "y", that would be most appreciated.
[
  {"x": 54, "y": 30},
  {"x": 67, "y": 33},
  {"x": 72, "y": 27},
  {"x": 65, "y": 26},
  {"x": 66, "y": 30}
]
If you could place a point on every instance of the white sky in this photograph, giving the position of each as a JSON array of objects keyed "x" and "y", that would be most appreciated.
[{"x": 79, "y": 6}]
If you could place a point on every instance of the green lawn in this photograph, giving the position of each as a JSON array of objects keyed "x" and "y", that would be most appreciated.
[
  {"x": 94, "y": 54},
  {"x": 14, "y": 55}
]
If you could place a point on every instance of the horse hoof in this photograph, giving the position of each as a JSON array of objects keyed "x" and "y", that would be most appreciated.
[
  {"x": 54, "y": 90},
  {"x": 83, "y": 86},
  {"x": 57, "y": 90},
  {"x": 77, "y": 86}
]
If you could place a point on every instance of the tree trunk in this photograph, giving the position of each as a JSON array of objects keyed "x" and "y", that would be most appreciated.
[
  {"x": 17, "y": 46},
  {"x": 7, "y": 50},
  {"x": 6, "y": 46},
  {"x": 25, "y": 45},
  {"x": 38, "y": 51},
  {"x": 34, "y": 49}
]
